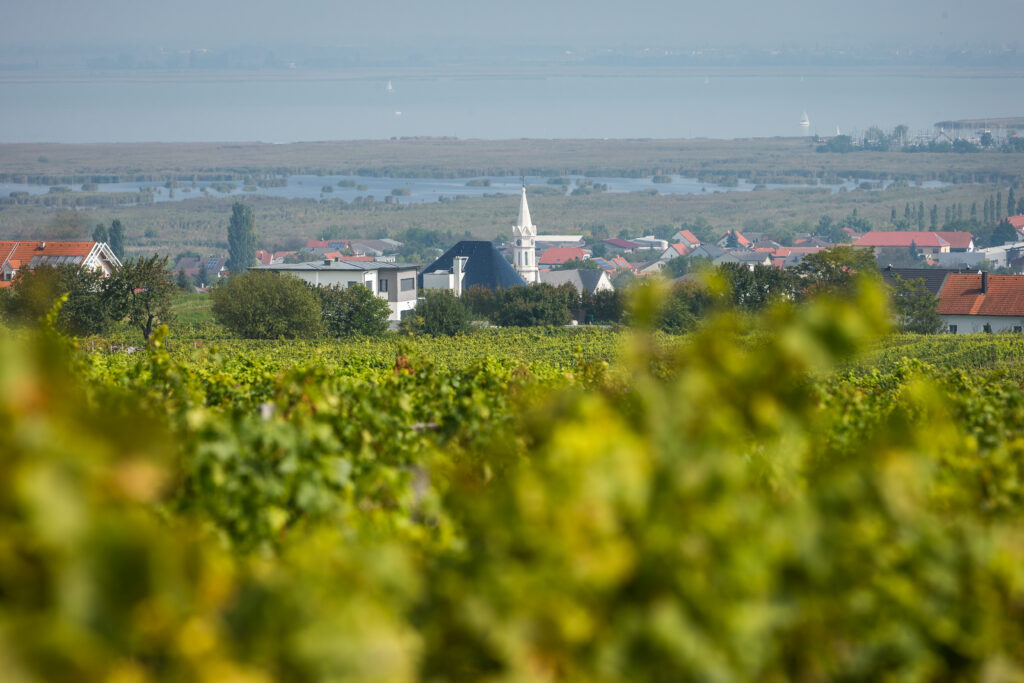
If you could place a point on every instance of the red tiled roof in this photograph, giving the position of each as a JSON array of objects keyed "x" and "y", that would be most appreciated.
[
  {"x": 1017, "y": 221},
  {"x": 559, "y": 255},
  {"x": 689, "y": 237},
  {"x": 957, "y": 239},
  {"x": 621, "y": 244},
  {"x": 317, "y": 244},
  {"x": 679, "y": 248},
  {"x": 877, "y": 238},
  {"x": 622, "y": 264},
  {"x": 22, "y": 251},
  {"x": 740, "y": 239},
  {"x": 961, "y": 295}
]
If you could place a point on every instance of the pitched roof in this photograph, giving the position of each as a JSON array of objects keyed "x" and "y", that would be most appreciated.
[
  {"x": 961, "y": 295},
  {"x": 621, "y": 244},
  {"x": 893, "y": 238},
  {"x": 486, "y": 266},
  {"x": 933, "y": 278},
  {"x": 31, "y": 253},
  {"x": 1017, "y": 221},
  {"x": 559, "y": 255},
  {"x": 956, "y": 238},
  {"x": 678, "y": 247},
  {"x": 688, "y": 236},
  {"x": 585, "y": 281},
  {"x": 621, "y": 263}
]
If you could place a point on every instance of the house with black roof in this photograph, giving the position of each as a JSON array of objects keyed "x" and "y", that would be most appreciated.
[{"x": 484, "y": 266}]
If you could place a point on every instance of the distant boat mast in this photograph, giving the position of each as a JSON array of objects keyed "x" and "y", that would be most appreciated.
[{"x": 388, "y": 88}]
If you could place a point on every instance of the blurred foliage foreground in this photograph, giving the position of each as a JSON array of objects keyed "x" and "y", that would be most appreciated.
[{"x": 715, "y": 512}]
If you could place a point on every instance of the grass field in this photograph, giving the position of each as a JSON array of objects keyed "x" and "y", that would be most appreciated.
[
  {"x": 200, "y": 224},
  {"x": 449, "y": 157}
]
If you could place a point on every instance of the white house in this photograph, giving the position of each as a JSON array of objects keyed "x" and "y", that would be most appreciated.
[
  {"x": 585, "y": 281},
  {"x": 970, "y": 301},
  {"x": 27, "y": 254},
  {"x": 393, "y": 282}
]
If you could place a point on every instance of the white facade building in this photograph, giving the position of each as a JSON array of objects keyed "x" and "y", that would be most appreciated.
[
  {"x": 393, "y": 282},
  {"x": 524, "y": 245}
]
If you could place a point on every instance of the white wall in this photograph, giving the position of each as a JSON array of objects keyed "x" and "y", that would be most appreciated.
[{"x": 969, "y": 324}]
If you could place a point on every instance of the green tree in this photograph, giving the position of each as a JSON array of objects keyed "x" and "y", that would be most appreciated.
[
  {"x": 920, "y": 215},
  {"x": 265, "y": 305},
  {"x": 352, "y": 311},
  {"x": 1004, "y": 233},
  {"x": 915, "y": 307},
  {"x": 203, "y": 275},
  {"x": 933, "y": 217},
  {"x": 140, "y": 292},
  {"x": 578, "y": 264},
  {"x": 241, "y": 238},
  {"x": 99, "y": 233},
  {"x": 900, "y": 134},
  {"x": 35, "y": 292},
  {"x": 754, "y": 289},
  {"x": 440, "y": 314},
  {"x": 1011, "y": 203},
  {"x": 116, "y": 236},
  {"x": 687, "y": 303},
  {"x": 183, "y": 281},
  {"x": 836, "y": 270},
  {"x": 605, "y": 306},
  {"x": 536, "y": 304}
]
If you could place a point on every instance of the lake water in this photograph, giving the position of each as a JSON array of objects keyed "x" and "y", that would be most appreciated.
[
  {"x": 420, "y": 189},
  {"x": 512, "y": 103}
]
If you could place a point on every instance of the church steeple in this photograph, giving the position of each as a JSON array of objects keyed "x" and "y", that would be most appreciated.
[{"x": 524, "y": 251}]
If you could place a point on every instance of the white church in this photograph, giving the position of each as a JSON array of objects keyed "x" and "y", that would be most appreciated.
[{"x": 524, "y": 251}]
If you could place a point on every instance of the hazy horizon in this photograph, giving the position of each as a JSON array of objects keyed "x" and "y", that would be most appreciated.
[{"x": 528, "y": 24}]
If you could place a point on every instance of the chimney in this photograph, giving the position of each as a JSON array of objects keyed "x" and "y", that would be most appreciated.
[
  {"x": 42, "y": 245},
  {"x": 460, "y": 262},
  {"x": 984, "y": 283}
]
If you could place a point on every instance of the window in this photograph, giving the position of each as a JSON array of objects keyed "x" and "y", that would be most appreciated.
[
  {"x": 952, "y": 329},
  {"x": 382, "y": 286},
  {"x": 1018, "y": 328},
  {"x": 407, "y": 284}
]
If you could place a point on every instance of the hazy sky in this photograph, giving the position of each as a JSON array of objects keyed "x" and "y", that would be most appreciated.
[{"x": 461, "y": 23}]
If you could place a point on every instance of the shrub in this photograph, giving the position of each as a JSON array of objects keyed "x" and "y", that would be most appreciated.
[
  {"x": 352, "y": 311},
  {"x": 440, "y": 314},
  {"x": 265, "y": 305}
]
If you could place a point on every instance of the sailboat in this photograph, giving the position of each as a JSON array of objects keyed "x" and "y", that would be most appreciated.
[
  {"x": 388, "y": 88},
  {"x": 804, "y": 121}
]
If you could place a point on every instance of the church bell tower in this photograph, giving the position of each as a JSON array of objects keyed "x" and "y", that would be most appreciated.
[{"x": 524, "y": 249}]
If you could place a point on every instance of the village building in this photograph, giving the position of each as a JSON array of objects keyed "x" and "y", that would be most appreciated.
[
  {"x": 980, "y": 302},
  {"x": 20, "y": 255},
  {"x": 585, "y": 281},
  {"x": 483, "y": 266},
  {"x": 524, "y": 247},
  {"x": 556, "y": 256},
  {"x": 393, "y": 282},
  {"x": 920, "y": 242}
]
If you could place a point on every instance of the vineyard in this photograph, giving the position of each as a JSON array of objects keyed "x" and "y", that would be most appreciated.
[{"x": 794, "y": 496}]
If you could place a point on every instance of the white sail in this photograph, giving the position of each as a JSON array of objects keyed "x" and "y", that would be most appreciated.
[
  {"x": 388, "y": 89},
  {"x": 804, "y": 121}
]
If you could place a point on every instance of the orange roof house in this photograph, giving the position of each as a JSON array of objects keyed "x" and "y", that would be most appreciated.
[
  {"x": 970, "y": 301},
  {"x": 958, "y": 240},
  {"x": 556, "y": 256},
  {"x": 28, "y": 254},
  {"x": 926, "y": 242}
]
